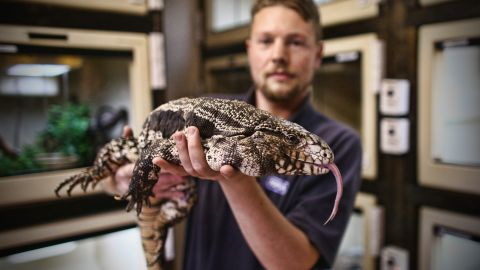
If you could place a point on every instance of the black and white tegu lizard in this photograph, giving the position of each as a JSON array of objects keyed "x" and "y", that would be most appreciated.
[{"x": 233, "y": 132}]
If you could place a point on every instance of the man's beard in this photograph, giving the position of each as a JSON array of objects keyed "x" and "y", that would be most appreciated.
[{"x": 281, "y": 96}]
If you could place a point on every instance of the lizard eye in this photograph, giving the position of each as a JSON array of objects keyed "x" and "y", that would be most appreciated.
[{"x": 292, "y": 139}]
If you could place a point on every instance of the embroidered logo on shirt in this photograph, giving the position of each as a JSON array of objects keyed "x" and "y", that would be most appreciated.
[{"x": 277, "y": 185}]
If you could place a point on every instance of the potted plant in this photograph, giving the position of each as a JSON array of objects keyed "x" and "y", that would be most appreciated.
[{"x": 66, "y": 142}]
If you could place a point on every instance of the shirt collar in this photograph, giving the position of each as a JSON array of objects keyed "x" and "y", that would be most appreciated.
[{"x": 301, "y": 116}]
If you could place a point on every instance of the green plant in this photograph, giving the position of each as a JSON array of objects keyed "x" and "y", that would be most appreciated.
[
  {"x": 67, "y": 132},
  {"x": 25, "y": 162}
]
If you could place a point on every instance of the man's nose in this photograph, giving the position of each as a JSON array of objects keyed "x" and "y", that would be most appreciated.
[{"x": 279, "y": 52}]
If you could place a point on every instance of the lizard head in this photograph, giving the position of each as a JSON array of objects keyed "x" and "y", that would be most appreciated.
[{"x": 289, "y": 149}]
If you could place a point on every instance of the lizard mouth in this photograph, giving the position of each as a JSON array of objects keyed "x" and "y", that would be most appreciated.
[{"x": 324, "y": 168}]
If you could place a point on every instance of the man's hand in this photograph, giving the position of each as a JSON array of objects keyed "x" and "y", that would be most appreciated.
[
  {"x": 165, "y": 188},
  {"x": 118, "y": 183},
  {"x": 193, "y": 162}
]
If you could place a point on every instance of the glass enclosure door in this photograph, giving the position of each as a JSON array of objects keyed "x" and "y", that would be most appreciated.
[
  {"x": 227, "y": 75},
  {"x": 362, "y": 240},
  {"x": 456, "y": 103},
  {"x": 63, "y": 93},
  {"x": 337, "y": 90},
  {"x": 449, "y": 111},
  {"x": 454, "y": 249},
  {"x": 121, "y": 250},
  {"x": 230, "y": 80},
  {"x": 229, "y": 14},
  {"x": 346, "y": 86},
  {"x": 448, "y": 240},
  {"x": 57, "y": 107}
]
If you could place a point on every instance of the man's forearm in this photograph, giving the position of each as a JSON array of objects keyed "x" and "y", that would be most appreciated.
[{"x": 276, "y": 242}]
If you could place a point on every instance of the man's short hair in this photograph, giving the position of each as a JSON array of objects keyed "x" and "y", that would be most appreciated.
[{"x": 305, "y": 8}]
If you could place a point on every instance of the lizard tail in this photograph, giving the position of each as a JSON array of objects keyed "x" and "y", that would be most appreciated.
[{"x": 153, "y": 231}]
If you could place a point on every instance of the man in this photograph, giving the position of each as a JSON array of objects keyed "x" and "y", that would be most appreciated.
[{"x": 239, "y": 221}]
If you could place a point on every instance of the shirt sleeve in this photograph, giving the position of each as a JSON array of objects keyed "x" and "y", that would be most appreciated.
[{"x": 315, "y": 196}]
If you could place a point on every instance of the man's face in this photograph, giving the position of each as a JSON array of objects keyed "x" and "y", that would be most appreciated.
[{"x": 283, "y": 53}]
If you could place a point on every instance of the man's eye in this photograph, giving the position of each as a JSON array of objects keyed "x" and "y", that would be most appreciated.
[
  {"x": 296, "y": 42},
  {"x": 265, "y": 41}
]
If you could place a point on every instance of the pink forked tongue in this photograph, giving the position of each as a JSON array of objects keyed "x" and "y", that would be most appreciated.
[{"x": 338, "y": 178}]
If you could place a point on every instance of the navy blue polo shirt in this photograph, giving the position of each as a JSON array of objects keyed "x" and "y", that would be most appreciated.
[{"x": 213, "y": 238}]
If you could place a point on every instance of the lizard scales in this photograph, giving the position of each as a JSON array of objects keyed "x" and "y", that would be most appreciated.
[{"x": 233, "y": 132}]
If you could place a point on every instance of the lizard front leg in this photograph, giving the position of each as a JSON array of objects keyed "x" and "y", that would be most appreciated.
[
  {"x": 111, "y": 156},
  {"x": 145, "y": 173}
]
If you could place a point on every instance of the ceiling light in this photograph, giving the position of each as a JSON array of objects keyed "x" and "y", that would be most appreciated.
[{"x": 37, "y": 70}]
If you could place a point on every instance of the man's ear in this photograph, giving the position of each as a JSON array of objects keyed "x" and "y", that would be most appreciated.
[
  {"x": 247, "y": 44},
  {"x": 319, "y": 54}
]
